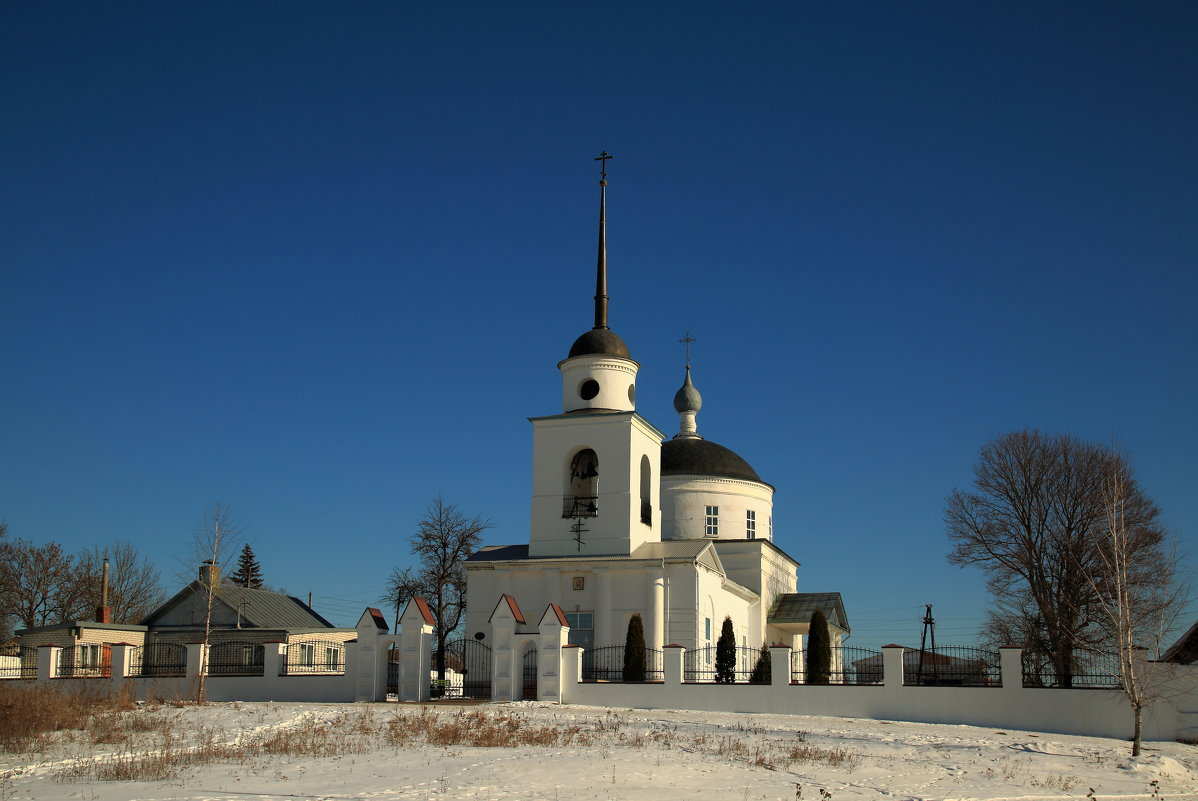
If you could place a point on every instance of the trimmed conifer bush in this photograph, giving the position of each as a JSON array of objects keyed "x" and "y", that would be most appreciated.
[
  {"x": 634, "y": 650},
  {"x": 762, "y": 670},
  {"x": 725, "y": 654},
  {"x": 819, "y": 649}
]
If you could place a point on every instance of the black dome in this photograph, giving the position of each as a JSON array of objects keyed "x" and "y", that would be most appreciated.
[
  {"x": 599, "y": 340},
  {"x": 686, "y": 456}
]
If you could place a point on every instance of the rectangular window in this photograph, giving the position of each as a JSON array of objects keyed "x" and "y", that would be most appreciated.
[
  {"x": 307, "y": 654},
  {"x": 712, "y": 522},
  {"x": 751, "y": 524},
  {"x": 771, "y": 527},
  {"x": 582, "y": 626},
  {"x": 707, "y": 629}
]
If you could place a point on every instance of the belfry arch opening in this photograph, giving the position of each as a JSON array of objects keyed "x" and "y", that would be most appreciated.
[
  {"x": 646, "y": 491},
  {"x": 582, "y": 486}
]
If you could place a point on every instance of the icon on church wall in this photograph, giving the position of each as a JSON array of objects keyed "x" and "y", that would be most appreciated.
[{"x": 580, "y": 582}]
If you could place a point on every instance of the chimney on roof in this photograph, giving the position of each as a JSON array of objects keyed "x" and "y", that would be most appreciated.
[
  {"x": 209, "y": 573},
  {"x": 104, "y": 611}
]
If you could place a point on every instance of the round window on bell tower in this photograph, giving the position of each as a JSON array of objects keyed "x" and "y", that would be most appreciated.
[
  {"x": 589, "y": 389},
  {"x": 632, "y": 394}
]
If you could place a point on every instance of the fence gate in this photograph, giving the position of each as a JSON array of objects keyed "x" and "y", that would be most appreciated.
[
  {"x": 530, "y": 675},
  {"x": 393, "y": 669},
  {"x": 472, "y": 660}
]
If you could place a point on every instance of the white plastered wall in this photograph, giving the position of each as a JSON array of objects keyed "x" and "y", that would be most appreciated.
[{"x": 684, "y": 501}]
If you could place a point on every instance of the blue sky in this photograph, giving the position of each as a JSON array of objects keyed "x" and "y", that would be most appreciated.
[{"x": 319, "y": 261}]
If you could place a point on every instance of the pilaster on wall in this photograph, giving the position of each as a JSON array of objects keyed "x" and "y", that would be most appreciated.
[
  {"x": 553, "y": 636},
  {"x": 415, "y": 656},
  {"x": 121, "y": 655},
  {"x": 671, "y": 657},
  {"x": 272, "y": 658},
  {"x": 779, "y": 665},
  {"x": 197, "y": 659},
  {"x": 571, "y": 670},
  {"x": 506, "y": 664},
  {"x": 47, "y": 662},
  {"x": 369, "y": 663},
  {"x": 892, "y": 665},
  {"x": 1010, "y": 662}
]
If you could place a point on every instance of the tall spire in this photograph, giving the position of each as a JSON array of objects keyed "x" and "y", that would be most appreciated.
[
  {"x": 601, "y": 267},
  {"x": 687, "y": 401}
]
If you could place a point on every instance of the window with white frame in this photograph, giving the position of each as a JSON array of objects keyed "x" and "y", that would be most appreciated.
[
  {"x": 711, "y": 527},
  {"x": 582, "y": 628},
  {"x": 751, "y": 524}
]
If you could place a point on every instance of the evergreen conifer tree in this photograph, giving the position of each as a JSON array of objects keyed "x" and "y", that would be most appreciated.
[
  {"x": 725, "y": 654},
  {"x": 819, "y": 649},
  {"x": 634, "y": 650},
  {"x": 763, "y": 670},
  {"x": 249, "y": 572}
]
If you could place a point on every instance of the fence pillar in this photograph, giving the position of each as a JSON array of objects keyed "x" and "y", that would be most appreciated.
[
  {"x": 671, "y": 657},
  {"x": 47, "y": 662},
  {"x": 368, "y": 664},
  {"x": 272, "y": 659},
  {"x": 779, "y": 665},
  {"x": 553, "y": 634},
  {"x": 122, "y": 655},
  {"x": 506, "y": 665},
  {"x": 571, "y": 670},
  {"x": 1010, "y": 665},
  {"x": 416, "y": 651},
  {"x": 892, "y": 665},
  {"x": 197, "y": 659}
]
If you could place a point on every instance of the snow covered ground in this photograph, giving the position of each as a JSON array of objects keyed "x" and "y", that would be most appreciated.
[{"x": 603, "y": 754}]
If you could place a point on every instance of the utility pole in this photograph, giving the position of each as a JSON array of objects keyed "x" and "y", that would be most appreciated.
[{"x": 929, "y": 629}]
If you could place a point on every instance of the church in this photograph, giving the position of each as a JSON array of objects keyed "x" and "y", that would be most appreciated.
[{"x": 629, "y": 520}]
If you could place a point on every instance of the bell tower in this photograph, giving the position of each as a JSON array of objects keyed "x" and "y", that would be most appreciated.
[{"x": 596, "y": 466}]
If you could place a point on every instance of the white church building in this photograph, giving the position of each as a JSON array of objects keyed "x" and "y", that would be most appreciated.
[{"x": 628, "y": 520}]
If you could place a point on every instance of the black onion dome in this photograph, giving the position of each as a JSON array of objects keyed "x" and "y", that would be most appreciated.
[
  {"x": 599, "y": 340},
  {"x": 701, "y": 457}
]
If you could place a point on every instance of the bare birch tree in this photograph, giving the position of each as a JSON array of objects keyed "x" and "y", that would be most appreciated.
[
  {"x": 213, "y": 542},
  {"x": 1139, "y": 595}
]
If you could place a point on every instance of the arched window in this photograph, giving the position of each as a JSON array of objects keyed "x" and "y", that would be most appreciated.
[
  {"x": 646, "y": 492},
  {"x": 582, "y": 486}
]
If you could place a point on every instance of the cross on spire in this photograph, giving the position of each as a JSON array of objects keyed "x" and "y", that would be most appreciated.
[
  {"x": 687, "y": 340},
  {"x": 603, "y": 157}
]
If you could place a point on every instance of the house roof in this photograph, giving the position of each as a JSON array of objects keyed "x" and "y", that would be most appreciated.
[
  {"x": 797, "y": 607},
  {"x": 264, "y": 609},
  {"x": 1185, "y": 650}
]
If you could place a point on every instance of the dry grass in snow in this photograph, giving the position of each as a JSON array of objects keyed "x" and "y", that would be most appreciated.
[{"x": 112, "y": 751}]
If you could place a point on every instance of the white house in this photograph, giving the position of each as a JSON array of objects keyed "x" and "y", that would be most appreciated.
[{"x": 622, "y": 523}]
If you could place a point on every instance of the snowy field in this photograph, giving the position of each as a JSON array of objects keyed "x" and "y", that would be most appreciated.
[{"x": 380, "y": 752}]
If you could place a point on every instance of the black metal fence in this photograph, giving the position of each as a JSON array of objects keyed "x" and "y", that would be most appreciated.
[
  {"x": 85, "y": 661},
  {"x": 393, "y": 669},
  {"x": 159, "y": 659},
  {"x": 18, "y": 662},
  {"x": 313, "y": 656},
  {"x": 951, "y": 666},
  {"x": 607, "y": 664},
  {"x": 236, "y": 658},
  {"x": 1090, "y": 672},
  {"x": 698, "y": 666},
  {"x": 580, "y": 506},
  {"x": 472, "y": 660},
  {"x": 849, "y": 665}
]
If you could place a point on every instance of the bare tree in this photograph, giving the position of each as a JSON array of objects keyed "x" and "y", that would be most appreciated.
[
  {"x": 213, "y": 541},
  {"x": 134, "y": 589},
  {"x": 1033, "y": 523},
  {"x": 444, "y": 538},
  {"x": 38, "y": 582},
  {"x": 1139, "y": 595}
]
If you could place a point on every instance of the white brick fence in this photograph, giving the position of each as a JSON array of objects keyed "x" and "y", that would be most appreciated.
[{"x": 377, "y": 662}]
